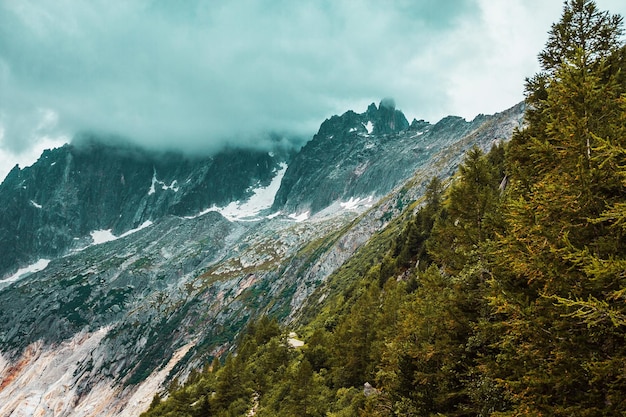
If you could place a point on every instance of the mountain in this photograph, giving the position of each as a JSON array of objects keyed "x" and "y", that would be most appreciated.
[
  {"x": 55, "y": 204},
  {"x": 357, "y": 156},
  {"x": 500, "y": 292},
  {"x": 150, "y": 265}
]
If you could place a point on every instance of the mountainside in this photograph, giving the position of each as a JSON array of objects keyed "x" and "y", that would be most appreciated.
[
  {"x": 367, "y": 155},
  {"x": 499, "y": 293},
  {"x": 74, "y": 190},
  {"x": 98, "y": 330}
]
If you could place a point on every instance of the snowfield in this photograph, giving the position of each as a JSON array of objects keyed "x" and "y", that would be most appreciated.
[
  {"x": 40, "y": 265},
  {"x": 262, "y": 199}
]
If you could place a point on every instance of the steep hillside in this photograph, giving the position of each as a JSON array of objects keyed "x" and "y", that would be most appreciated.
[{"x": 500, "y": 293}]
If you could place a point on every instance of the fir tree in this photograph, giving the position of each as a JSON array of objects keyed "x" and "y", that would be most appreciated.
[{"x": 556, "y": 264}]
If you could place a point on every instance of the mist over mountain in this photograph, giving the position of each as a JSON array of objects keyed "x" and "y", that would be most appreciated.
[
  {"x": 104, "y": 183},
  {"x": 193, "y": 76},
  {"x": 224, "y": 221}
]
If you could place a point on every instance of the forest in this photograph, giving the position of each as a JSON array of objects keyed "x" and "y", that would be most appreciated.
[{"x": 501, "y": 293}]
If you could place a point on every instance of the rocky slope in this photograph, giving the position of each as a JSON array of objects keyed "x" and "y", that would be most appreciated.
[{"x": 99, "y": 330}]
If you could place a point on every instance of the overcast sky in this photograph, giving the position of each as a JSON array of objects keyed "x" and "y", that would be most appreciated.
[{"x": 194, "y": 74}]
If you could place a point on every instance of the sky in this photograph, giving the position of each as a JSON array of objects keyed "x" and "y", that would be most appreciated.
[{"x": 194, "y": 75}]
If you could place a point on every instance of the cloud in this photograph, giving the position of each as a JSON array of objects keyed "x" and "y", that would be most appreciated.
[{"x": 194, "y": 75}]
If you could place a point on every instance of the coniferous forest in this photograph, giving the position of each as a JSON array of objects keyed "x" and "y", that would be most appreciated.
[{"x": 502, "y": 293}]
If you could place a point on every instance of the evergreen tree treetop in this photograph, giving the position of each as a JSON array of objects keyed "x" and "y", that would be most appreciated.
[{"x": 582, "y": 28}]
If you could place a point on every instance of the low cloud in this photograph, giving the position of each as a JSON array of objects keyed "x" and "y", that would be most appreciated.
[{"x": 195, "y": 75}]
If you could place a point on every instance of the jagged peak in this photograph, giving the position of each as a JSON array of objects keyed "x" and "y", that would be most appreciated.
[
  {"x": 386, "y": 118},
  {"x": 13, "y": 174},
  {"x": 420, "y": 124},
  {"x": 377, "y": 120}
]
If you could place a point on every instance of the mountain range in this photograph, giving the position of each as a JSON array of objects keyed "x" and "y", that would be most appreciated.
[{"x": 125, "y": 268}]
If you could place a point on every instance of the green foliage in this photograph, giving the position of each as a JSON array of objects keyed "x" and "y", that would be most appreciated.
[
  {"x": 557, "y": 268},
  {"x": 582, "y": 28},
  {"x": 470, "y": 214}
]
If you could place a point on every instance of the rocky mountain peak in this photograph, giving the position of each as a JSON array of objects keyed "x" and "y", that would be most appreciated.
[
  {"x": 382, "y": 120},
  {"x": 386, "y": 118},
  {"x": 419, "y": 125},
  {"x": 368, "y": 154},
  {"x": 112, "y": 322}
]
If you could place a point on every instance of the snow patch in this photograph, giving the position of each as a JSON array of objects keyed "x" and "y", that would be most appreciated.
[
  {"x": 40, "y": 265},
  {"x": 143, "y": 225},
  {"x": 369, "y": 126},
  {"x": 53, "y": 164},
  {"x": 35, "y": 204},
  {"x": 355, "y": 203},
  {"x": 262, "y": 198},
  {"x": 352, "y": 130},
  {"x": 173, "y": 186},
  {"x": 152, "y": 189},
  {"x": 299, "y": 217},
  {"x": 103, "y": 236},
  {"x": 271, "y": 216}
]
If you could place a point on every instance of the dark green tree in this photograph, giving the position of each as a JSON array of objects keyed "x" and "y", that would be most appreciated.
[
  {"x": 468, "y": 218},
  {"x": 427, "y": 363},
  {"x": 556, "y": 265},
  {"x": 231, "y": 383},
  {"x": 352, "y": 339},
  {"x": 585, "y": 29}
]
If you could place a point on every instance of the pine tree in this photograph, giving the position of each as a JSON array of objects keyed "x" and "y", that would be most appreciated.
[
  {"x": 231, "y": 383},
  {"x": 467, "y": 217},
  {"x": 427, "y": 363},
  {"x": 203, "y": 408},
  {"x": 410, "y": 249},
  {"x": 557, "y": 286},
  {"x": 582, "y": 28},
  {"x": 352, "y": 341}
]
